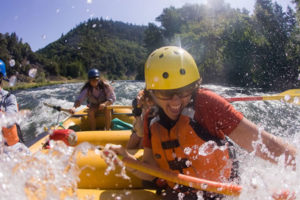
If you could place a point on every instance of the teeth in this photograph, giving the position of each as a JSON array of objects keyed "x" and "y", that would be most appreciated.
[{"x": 175, "y": 107}]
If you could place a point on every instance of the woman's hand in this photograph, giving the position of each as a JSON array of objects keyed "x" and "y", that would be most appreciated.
[
  {"x": 72, "y": 110},
  {"x": 102, "y": 106},
  {"x": 140, "y": 98},
  {"x": 76, "y": 104},
  {"x": 118, "y": 149}
]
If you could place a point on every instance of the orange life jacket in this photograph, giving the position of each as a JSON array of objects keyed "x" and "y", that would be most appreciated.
[
  {"x": 179, "y": 150},
  {"x": 11, "y": 135}
]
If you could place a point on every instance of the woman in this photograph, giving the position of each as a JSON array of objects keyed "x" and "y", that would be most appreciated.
[
  {"x": 192, "y": 130},
  {"x": 140, "y": 106},
  {"x": 99, "y": 94},
  {"x": 9, "y": 107}
]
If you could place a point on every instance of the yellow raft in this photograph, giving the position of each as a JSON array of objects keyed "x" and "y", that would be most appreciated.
[{"x": 93, "y": 182}]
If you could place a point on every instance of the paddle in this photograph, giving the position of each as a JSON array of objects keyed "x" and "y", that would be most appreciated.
[
  {"x": 291, "y": 96},
  {"x": 111, "y": 107},
  {"x": 58, "y": 108},
  {"x": 189, "y": 181},
  {"x": 197, "y": 183}
]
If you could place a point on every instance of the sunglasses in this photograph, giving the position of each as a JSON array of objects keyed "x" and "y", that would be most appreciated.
[{"x": 169, "y": 94}]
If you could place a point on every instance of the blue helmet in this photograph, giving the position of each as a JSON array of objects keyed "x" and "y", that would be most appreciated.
[
  {"x": 93, "y": 73},
  {"x": 2, "y": 68}
]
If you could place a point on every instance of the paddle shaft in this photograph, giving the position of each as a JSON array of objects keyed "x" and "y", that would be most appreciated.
[
  {"x": 197, "y": 183},
  {"x": 58, "y": 108},
  {"x": 286, "y": 96},
  {"x": 101, "y": 114},
  {"x": 68, "y": 110},
  {"x": 233, "y": 99}
]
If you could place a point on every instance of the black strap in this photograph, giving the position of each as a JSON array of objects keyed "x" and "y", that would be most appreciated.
[
  {"x": 171, "y": 144},
  {"x": 20, "y": 134},
  {"x": 6, "y": 96},
  {"x": 178, "y": 164},
  {"x": 58, "y": 108},
  {"x": 137, "y": 111}
]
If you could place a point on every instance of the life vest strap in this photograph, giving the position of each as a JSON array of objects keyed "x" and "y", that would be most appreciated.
[
  {"x": 178, "y": 164},
  {"x": 171, "y": 144}
]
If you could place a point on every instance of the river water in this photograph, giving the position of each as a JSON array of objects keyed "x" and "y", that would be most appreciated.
[{"x": 278, "y": 117}]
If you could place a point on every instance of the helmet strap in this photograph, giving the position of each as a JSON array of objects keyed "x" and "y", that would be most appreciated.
[{"x": 1, "y": 78}]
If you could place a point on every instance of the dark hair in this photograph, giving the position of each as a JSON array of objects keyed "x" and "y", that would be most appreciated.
[{"x": 102, "y": 84}]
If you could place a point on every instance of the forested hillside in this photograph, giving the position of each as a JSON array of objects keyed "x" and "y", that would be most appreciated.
[
  {"x": 19, "y": 59},
  {"x": 230, "y": 46},
  {"x": 115, "y": 48}
]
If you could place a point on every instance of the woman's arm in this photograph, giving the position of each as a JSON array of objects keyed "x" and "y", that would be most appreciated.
[
  {"x": 147, "y": 158},
  {"x": 81, "y": 97},
  {"x": 134, "y": 141},
  {"x": 11, "y": 105},
  {"x": 110, "y": 94},
  {"x": 265, "y": 145}
]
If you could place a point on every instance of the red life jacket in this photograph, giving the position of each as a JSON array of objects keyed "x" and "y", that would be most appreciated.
[{"x": 179, "y": 148}]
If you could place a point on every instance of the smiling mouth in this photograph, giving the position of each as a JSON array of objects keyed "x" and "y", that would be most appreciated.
[{"x": 175, "y": 108}]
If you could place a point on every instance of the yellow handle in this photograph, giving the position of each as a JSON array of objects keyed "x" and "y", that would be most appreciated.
[{"x": 197, "y": 183}]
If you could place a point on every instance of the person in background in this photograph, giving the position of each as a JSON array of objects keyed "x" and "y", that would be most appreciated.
[
  {"x": 194, "y": 130},
  {"x": 9, "y": 106},
  {"x": 140, "y": 105},
  {"x": 99, "y": 94}
]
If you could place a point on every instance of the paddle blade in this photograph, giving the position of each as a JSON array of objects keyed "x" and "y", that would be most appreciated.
[
  {"x": 284, "y": 195},
  {"x": 292, "y": 92},
  {"x": 291, "y": 96}
]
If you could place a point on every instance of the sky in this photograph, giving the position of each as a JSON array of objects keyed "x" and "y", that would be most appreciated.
[{"x": 40, "y": 22}]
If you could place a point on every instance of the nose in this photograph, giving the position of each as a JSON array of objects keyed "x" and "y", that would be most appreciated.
[{"x": 176, "y": 97}]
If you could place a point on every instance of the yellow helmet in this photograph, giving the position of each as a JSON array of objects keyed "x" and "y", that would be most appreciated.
[{"x": 170, "y": 68}]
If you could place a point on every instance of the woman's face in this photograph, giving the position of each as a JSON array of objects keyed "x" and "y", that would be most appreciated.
[
  {"x": 94, "y": 82},
  {"x": 172, "y": 103}
]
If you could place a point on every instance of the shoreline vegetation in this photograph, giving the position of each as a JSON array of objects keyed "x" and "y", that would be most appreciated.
[{"x": 29, "y": 85}]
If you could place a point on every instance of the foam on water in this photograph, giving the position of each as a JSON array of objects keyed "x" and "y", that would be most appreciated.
[{"x": 259, "y": 178}]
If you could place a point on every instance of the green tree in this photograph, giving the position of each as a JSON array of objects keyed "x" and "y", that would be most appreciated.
[
  {"x": 171, "y": 22},
  {"x": 276, "y": 27},
  {"x": 153, "y": 37},
  {"x": 239, "y": 49}
]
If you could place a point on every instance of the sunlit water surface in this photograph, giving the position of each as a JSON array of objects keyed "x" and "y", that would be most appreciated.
[{"x": 48, "y": 175}]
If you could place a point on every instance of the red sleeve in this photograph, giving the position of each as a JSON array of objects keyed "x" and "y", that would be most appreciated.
[
  {"x": 146, "y": 138},
  {"x": 215, "y": 114}
]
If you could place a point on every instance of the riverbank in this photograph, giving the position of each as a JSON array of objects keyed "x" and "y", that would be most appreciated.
[{"x": 24, "y": 85}]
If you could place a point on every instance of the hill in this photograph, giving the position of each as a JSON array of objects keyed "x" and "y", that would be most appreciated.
[{"x": 115, "y": 48}]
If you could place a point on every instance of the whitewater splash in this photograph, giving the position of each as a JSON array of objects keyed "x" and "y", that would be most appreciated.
[
  {"x": 258, "y": 178},
  {"x": 54, "y": 174}
]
